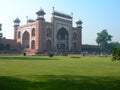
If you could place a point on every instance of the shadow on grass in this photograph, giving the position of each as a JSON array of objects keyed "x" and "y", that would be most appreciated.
[
  {"x": 63, "y": 82},
  {"x": 27, "y": 58}
]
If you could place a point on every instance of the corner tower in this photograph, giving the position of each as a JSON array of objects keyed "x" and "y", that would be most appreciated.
[
  {"x": 16, "y": 25},
  {"x": 79, "y": 24},
  {"x": 40, "y": 15},
  {"x": 79, "y": 32}
]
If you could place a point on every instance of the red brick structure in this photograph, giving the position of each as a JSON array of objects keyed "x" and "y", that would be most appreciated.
[
  {"x": 8, "y": 46},
  {"x": 57, "y": 35}
]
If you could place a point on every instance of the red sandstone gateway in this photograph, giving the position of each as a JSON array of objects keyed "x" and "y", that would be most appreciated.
[{"x": 58, "y": 35}]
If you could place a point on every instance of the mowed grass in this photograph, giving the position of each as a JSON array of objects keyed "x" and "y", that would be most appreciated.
[{"x": 59, "y": 73}]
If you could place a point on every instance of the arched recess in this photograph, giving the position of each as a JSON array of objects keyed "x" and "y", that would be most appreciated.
[
  {"x": 63, "y": 39},
  {"x": 26, "y": 39},
  {"x": 33, "y": 31},
  {"x": 33, "y": 44},
  {"x": 74, "y": 36},
  {"x": 48, "y": 45},
  {"x": 49, "y": 32},
  {"x": 19, "y": 34},
  {"x": 62, "y": 34},
  {"x": 75, "y": 45}
]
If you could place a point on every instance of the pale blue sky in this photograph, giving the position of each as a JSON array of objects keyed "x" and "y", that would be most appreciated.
[{"x": 95, "y": 14}]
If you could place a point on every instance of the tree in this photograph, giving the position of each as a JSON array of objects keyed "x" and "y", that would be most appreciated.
[
  {"x": 113, "y": 45},
  {"x": 0, "y": 31},
  {"x": 103, "y": 40},
  {"x": 116, "y": 54},
  {"x": 1, "y": 35}
]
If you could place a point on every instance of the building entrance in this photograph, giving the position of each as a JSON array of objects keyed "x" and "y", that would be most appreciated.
[{"x": 62, "y": 38}]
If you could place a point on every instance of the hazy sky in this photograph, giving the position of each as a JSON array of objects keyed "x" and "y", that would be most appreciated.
[{"x": 95, "y": 14}]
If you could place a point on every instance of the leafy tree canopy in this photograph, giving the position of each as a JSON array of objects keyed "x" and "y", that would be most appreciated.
[
  {"x": 116, "y": 54},
  {"x": 0, "y": 31},
  {"x": 103, "y": 39}
]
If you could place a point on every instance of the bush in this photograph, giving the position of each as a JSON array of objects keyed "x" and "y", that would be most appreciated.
[
  {"x": 51, "y": 55},
  {"x": 24, "y": 54},
  {"x": 116, "y": 54}
]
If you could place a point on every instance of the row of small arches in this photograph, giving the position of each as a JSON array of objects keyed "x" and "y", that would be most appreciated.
[
  {"x": 60, "y": 34},
  {"x": 32, "y": 33}
]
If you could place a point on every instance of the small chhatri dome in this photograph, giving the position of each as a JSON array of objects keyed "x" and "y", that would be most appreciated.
[
  {"x": 79, "y": 22},
  {"x": 40, "y": 12},
  {"x": 17, "y": 20}
]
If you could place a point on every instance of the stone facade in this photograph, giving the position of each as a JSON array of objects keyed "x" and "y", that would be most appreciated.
[{"x": 58, "y": 35}]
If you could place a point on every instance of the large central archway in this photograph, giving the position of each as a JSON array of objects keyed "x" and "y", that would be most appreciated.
[
  {"x": 25, "y": 39},
  {"x": 62, "y": 34},
  {"x": 62, "y": 38}
]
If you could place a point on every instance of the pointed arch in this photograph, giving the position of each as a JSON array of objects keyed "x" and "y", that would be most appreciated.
[
  {"x": 33, "y": 44},
  {"x": 74, "y": 45},
  {"x": 62, "y": 34},
  {"x": 49, "y": 32},
  {"x": 33, "y": 31},
  {"x": 74, "y": 36},
  {"x": 26, "y": 39}
]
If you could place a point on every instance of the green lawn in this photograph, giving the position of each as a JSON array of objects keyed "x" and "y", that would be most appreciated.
[{"x": 59, "y": 73}]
